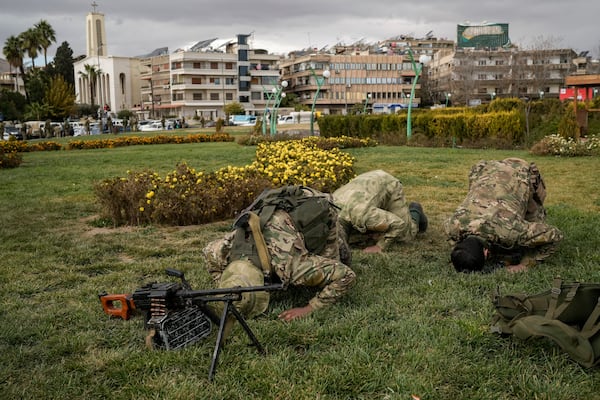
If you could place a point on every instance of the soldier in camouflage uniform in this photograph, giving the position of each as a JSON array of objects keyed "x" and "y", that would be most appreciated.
[
  {"x": 290, "y": 262},
  {"x": 373, "y": 209},
  {"x": 502, "y": 218}
]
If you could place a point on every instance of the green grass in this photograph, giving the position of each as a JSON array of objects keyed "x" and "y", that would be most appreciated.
[{"x": 411, "y": 325}]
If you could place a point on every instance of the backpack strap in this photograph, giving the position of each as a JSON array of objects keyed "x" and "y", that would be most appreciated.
[
  {"x": 553, "y": 311},
  {"x": 592, "y": 325},
  {"x": 261, "y": 245}
]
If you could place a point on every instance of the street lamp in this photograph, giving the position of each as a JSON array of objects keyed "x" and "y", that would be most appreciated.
[
  {"x": 448, "y": 95},
  {"x": 270, "y": 95},
  {"x": 276, "y": 94},
  {"x": 541, "y": 94},
  {"x": 320, "y": 81},
  {"x": 417, "y": 68},
  {"x": 280, "y": 95},
  {"x": 493, "y": 95},
  {"x": 366, "y": 103}
]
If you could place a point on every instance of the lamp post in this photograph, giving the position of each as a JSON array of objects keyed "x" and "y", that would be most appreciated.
[
  {"x": 270, "y": 95},
  {"x": 448, "y": 95},
  {"x": 541, "y": 94},
  {"x": 366, "y": 103},
  {"x": 493, "y": 95},
  {"x": 280, "y": 95},
  {"x": 276, "y": 94},
  {"x": 417, "y": 68},
  {"x": 320, "y": 81}
]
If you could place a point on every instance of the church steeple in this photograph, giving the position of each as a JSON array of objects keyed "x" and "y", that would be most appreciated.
[{"x": 95, "y": 33}]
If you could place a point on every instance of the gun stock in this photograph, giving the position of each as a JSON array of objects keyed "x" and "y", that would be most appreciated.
[{"x": 117, "y": 305}]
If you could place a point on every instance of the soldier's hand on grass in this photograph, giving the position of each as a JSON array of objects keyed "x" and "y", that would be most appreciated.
[
  {"x": 372, "y": 249},
  {"x": 516, "y": 268},
  {"x": 294, "y": 313}
]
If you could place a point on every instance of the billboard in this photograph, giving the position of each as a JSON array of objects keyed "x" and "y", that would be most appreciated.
[{"x": 482, "y": 35}]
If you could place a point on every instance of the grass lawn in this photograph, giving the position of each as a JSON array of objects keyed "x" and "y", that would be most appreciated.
[{"x": 410, "y": 326}]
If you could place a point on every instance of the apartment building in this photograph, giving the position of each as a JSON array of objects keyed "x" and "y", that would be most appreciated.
[
  {"x": 202, "y": 80},
  {"x": 359, "y": 81},
  {"x": 473, "y": 76}
]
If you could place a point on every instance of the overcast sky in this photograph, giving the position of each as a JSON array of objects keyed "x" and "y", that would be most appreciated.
[{"x": 136, "y": 27}]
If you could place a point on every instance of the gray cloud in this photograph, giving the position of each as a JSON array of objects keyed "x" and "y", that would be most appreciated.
[{"x": 137, "y": 27}]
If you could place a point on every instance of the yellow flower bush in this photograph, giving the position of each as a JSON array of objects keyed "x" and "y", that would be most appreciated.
[{"x": 185, "y": 196}]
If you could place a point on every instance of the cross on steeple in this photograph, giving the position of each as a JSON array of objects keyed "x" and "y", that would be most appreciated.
[{"x": 94, "y": 5}]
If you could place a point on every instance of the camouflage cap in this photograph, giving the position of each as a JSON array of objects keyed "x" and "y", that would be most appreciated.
[{"x": 243, "y": 273}]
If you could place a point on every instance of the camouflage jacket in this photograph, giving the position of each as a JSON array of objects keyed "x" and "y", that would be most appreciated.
[
  {"x": 290, "y": 260},
  {"x": 374, "y": 202},
  {"x": 504, "y": 206}
]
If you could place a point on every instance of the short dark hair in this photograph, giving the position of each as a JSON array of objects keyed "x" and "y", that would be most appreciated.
[{"x": 468, "y": 255}]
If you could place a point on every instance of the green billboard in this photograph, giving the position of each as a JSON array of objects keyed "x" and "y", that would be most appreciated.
[{"x": 482, "y": 35}]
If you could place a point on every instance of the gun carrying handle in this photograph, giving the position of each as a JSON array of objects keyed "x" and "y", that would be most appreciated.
[{"x": 117, "y": 305}]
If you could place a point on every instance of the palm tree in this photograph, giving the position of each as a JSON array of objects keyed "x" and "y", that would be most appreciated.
[
  {"x": 31, "y": 43},
  {"x": 14, "y": 53},
  {"x": 47, "y": 36},
  {"x": 91, "y": 74}
]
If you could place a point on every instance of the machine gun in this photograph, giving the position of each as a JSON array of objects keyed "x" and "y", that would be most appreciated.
[{"x": 177, "y": 316}]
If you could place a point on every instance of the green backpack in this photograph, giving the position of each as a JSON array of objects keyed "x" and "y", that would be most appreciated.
[
  {"x": 568, "y": 314},
  {"x": 310, "y": 213}
]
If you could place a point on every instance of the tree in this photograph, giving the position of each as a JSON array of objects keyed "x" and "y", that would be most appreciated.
[
  {"x": 36, "y": 111},
  {"x": 60, "y": 98},
  {"x": 63, "y": 64},
  {"x": 234, "y": 108},
  {"x": 12, "y": 105},
  {"x": 91, "y": 76},
  {"x": 46, "y": 36},
  {"x": 14, "y": 53},
  {"x": 36, "y": 84},
  {"x": 31, "y": 44}
]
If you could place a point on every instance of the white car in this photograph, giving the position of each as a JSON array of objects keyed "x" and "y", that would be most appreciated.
[
  {"x": 79, "y": 129},
  {"x": 286, "y": 119},
  {"x": 156, "y": 126}
]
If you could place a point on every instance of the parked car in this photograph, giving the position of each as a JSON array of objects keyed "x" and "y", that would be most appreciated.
[
  {"x": 286, "y": 119},
  {"x": 152, "y": 126},
  {"x": 12, "y": 131},
  {"x": 79, "y": 128}
]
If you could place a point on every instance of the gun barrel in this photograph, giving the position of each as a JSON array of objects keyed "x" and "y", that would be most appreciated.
[{"x": 233, "y": 290}]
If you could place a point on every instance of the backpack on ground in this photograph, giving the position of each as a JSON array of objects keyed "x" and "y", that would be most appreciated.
[{"x": 568, "y": 314}]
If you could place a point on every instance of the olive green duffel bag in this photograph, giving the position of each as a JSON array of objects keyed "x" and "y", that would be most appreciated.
[{"x": 567, "y": 314}]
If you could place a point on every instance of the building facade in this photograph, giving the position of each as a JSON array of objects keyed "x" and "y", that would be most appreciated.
[
  {"x": 112, "y": 83},
  {"x": 471, "y": 76},
  {"x": 201, "y": 81}
]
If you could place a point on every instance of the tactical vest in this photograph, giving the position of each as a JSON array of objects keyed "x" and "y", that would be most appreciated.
[
  {"x": 568, "y": 314},
  {"x": 310, "y": 214}
]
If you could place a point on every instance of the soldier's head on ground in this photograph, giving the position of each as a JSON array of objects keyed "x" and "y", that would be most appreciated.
[{"x": 469, "y": 255}]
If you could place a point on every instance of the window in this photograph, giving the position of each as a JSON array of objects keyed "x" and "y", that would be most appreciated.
[
  {"x": 229, "y": 96},
  {"x": 481, "y": 62},
  {"x": 197, "y": 96},
  {"x": 196, "y": 80},
  {"x": 214, "y": 96},
  {"x": 214, "y": 65},
  {"x": 482, "y": 77}
]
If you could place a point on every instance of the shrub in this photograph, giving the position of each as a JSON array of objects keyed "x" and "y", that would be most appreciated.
[
  {"x": 10, "y": 159},
  {"x": 185, "y": 197},
  {"x": 557, "y": 145}
]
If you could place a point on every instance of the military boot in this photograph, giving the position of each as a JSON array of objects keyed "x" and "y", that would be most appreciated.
[{"x": 417, "y": 214}]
